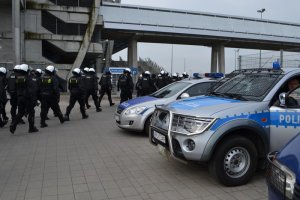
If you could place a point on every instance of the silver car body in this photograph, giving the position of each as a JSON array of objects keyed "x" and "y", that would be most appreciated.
[
  {"x": 274, "y": 125},
  {"x": 136, "y": 122}
]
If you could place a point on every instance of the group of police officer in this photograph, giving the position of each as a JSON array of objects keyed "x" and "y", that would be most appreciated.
[
  {"x": 148, "y": 83},
  {"x": 28, "y": 87}
]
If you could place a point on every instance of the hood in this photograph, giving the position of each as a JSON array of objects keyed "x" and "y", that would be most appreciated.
[
  {"x": 206, "y": 105},
  {"x": 290, "y": 157},
  {"x": 136, "y": 101}
]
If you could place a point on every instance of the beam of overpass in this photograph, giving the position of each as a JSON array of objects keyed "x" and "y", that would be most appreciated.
[{"x": 157, "y": 25}]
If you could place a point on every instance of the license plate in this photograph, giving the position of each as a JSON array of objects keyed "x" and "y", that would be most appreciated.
[
  {"x": 159, "y": 137},
  {"x": 117, "y": 118}
]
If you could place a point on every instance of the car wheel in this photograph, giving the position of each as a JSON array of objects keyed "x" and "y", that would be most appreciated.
[
  {"x": 147, "y": 126},
  {"x": 234, "y": 161}
]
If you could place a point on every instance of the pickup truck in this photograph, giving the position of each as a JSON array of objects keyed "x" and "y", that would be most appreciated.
[{"x": 233, "y": 128}]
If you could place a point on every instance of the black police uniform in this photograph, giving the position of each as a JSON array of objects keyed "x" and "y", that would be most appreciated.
[
  {"x": 106, "y": 87},
  {"x": 3, "y": 99},
  {"x": 27, "y": 99},
  {"x": 49, "y": 91},
  {"x": 138, "y": 86},
  {"x": 125, "y": 86},
  {"x": 77, "y": 90},
  {"x": 161, "y": 82},
  {"x": 91, "y": 84},
  {"x": 146, "y": 85}
]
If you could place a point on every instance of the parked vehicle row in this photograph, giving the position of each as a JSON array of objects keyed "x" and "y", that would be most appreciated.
[{"x": 232, "y": 127}]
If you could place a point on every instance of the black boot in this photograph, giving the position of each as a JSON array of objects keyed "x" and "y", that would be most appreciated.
[
  {"x": 99, "y": 109},
  {"x": 33, "y": 130},
  {"x": 43, "y": 124},
  {"x": 12, "y": 128},
  {"x": 1, "y": 123},
  {"x": 61, "y": 118},
  {"x": 66, "y": 118},
  {"x": 112, "y": 104},
  {"x": 85, "y": 116}
]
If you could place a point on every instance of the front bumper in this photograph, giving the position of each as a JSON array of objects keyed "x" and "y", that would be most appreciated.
[
  {"x": 178, "y": 144},
  {"x": 134, "y": 123}
]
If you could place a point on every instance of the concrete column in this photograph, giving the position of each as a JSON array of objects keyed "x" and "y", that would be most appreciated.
[
  {"x": 221, "y": 59},
  {"x": 132, "y": 53},
  {"x": 214, "y": 59},
  {"x": 281, "y": 58},
  {"x": 16, "y": 12}
]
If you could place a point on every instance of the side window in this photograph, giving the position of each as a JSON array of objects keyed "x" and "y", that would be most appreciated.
[
  {"x": 289, "y": 85},
  {"x": 293, "y": 99},
  {"x": 198, "y": 89}
]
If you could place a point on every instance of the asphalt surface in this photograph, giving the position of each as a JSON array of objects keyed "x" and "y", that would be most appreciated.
[{"x": 94, "y": 159}]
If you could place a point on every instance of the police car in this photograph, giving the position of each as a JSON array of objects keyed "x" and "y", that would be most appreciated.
[
  {"x": 135, "y": 114},
  {"x": 283, "y": 172},
  {"x": 233, "y": 128}
]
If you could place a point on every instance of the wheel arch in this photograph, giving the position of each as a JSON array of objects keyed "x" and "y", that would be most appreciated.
[{"x": 250, "y": 130}]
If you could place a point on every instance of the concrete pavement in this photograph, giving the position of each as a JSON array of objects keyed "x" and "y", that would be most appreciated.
[{"x": 93, "y": 159}]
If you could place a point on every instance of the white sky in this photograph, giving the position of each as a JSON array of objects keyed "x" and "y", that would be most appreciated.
[{"x": 198, "y": 57}]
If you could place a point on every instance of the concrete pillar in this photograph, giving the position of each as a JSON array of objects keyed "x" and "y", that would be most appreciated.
[
  {"x": 281, "y": 58},
  {"x": 221, "y": 59},
  {"x": 214, "y": 59},
  {"x": 16, "y": 12},
  {"x": 132, "y": 53}
]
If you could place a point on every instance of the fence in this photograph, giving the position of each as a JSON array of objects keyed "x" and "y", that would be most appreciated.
[{"x": 290, "y": 58}]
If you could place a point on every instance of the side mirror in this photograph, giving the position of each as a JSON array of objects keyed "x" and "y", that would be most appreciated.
[
  {"x": 184, "y": 96},
  {"x": 282, "y": 99}
]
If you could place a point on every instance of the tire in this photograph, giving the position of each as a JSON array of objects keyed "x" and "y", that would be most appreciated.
[
  {"x": 241, "y": 153},
  {"x": 147, "y": 126}
]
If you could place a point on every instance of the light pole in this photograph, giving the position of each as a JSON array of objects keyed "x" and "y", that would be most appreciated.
[
  {"x": 172, "y": 55},
  {"x": 261, "y": 11}
]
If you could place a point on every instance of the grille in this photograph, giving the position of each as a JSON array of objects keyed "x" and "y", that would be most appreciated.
[
  {"x": 296, "y": 193},
  {"x": 276, "y": 177}
]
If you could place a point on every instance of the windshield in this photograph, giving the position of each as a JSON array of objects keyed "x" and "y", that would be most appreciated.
[
  {"x": 248, "y": 86},
  {"x": 170, "y": 90}
]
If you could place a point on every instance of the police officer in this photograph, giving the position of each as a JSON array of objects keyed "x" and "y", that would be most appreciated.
[
  {"x": 91, "y": 84},
  {"x": 185, "y": 75},
  {"x": 146, "y": 84},
  {"x": 153, "y": 79},
  {"x": 27, "y": 99},
  {"x": 106, "y": 87},
  {"x": 49, "y": 88},
  {"x": 3, "y": 97},
  {"x": 126, "y": 85},
  {"x": 174, "y": 78},
  {"x": 131, "y": 85},
  {"x": 161, "y": 80},
  {"x": 83, "y": 75},
  {"x": 138, "y": 85},
  {"x": 76, "y": 87},
  {"x": 12, "y": 90}
]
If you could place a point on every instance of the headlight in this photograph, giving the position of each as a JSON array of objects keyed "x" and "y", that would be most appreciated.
[
  {"x": 281, "y": 177},
  {"x": 135, "y": 110},
  {"x": 190, "y": 125}
]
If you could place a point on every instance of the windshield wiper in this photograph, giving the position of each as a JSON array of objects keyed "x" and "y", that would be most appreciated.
[{"x": 235, "y": 96}]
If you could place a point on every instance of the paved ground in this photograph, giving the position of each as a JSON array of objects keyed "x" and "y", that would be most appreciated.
[{"x": 93, "y": 159}]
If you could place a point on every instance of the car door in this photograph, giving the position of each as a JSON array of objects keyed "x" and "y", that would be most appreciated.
[{"x": 285, "y": 120}]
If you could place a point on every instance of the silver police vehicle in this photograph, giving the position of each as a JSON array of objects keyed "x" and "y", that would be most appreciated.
[
  {"x": 135, "y": 114},
  {"x": 235, "y": 126}
]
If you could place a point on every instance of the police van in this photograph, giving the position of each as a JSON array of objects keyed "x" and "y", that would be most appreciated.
[{"x": 234, "y": 127}]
